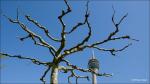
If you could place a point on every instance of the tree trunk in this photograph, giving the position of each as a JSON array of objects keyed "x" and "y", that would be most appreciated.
[{"x": 54, "y": 75}]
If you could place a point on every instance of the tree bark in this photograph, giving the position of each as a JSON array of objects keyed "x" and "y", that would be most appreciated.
[{"x": 54, "y": 75}]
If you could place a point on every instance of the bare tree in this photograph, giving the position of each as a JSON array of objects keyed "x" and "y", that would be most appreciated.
[{"x": 61, "y": 53}]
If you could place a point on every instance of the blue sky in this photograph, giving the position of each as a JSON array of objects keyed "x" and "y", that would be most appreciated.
[{"x": 130, "y": 64}]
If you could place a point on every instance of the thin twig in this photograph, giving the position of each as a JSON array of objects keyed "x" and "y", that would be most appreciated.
[{"x": 43, "y": 76}]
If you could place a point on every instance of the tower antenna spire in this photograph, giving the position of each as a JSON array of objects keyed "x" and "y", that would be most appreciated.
[{"x": 93, "y": 56}]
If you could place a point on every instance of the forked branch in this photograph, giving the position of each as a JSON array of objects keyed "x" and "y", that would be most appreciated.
[
  {"x": 81, "y": 46},
  {"x": 38, "y": 40},
  {"x": 77, "y": 46}
]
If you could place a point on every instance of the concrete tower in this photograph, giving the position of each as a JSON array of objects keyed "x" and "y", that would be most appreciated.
[{"x": 93, "y": 64}]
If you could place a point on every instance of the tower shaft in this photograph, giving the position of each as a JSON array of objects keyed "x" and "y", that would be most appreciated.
[{"x": 94, "y": 77}]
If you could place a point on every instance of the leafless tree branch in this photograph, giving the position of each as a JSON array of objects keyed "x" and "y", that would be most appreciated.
[
  {"x": 112, "y": 51},
  {"x": 73, "y": 74},
  {"x": 41, "y": 27},
  {"x": 81, "y": 23},
  {"x": 81, "y": 45},
  {"x": 34, "y": 61},
  {"x": 43, "y": 76},
  {"x": 71, "y": 68},
  {"x": 32, "y": 35},
  {"x": 63, "y": 28},
  {"x": 77, "y": 47}
]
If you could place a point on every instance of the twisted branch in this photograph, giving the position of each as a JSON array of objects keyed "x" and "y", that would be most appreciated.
[
  {"x": 78, "y": 46},
  {"x": 110, "y": 37},
  {"x": 80, "y": 23},
  {"x": 63, "y": 28}
]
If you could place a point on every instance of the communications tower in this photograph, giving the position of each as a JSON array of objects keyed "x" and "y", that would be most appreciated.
[{"x": 93, "y": 64}]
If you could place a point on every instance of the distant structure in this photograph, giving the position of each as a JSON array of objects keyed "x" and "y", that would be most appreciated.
[{"x": 93, "y": 64}]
